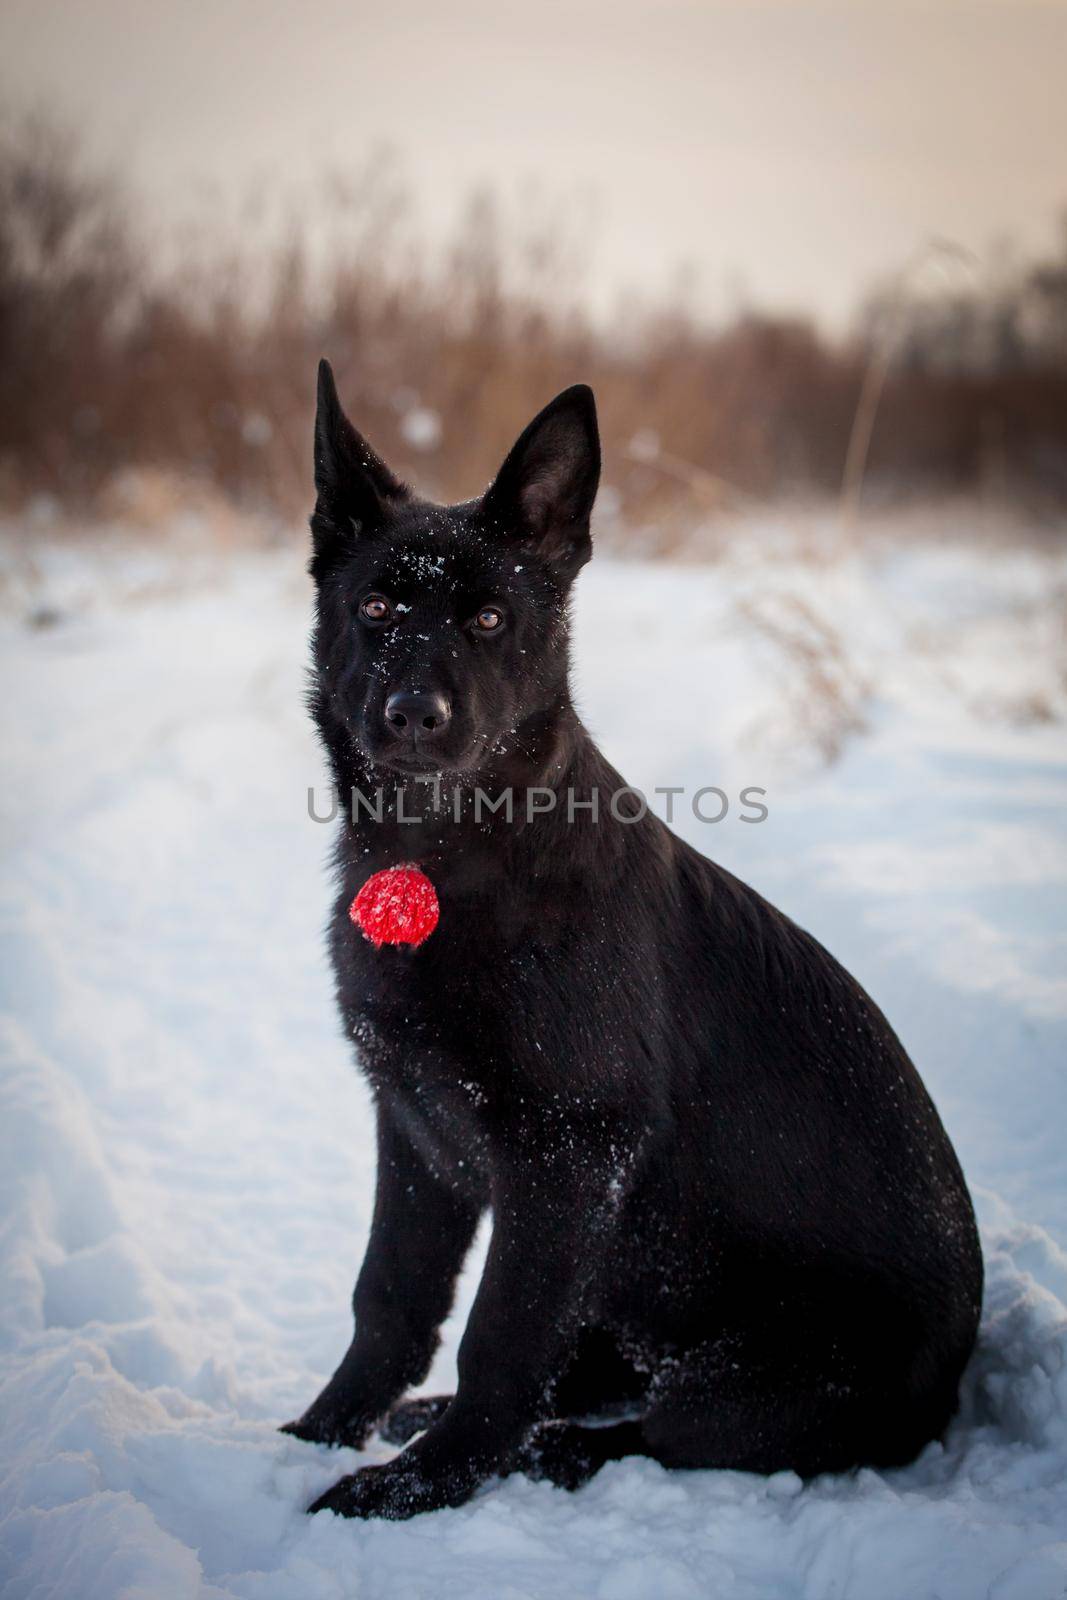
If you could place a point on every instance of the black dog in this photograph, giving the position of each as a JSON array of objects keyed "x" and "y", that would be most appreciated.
[{"x": 728, "y": 1226}]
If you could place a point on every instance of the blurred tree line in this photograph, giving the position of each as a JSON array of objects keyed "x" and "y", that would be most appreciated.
[{"x": 201, "y": 371}]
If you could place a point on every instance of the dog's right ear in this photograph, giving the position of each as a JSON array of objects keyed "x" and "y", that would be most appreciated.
[{"x": 354, "y": 488}]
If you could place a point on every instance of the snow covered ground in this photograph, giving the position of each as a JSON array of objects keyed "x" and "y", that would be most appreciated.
[{"x": 187, "y": 1158}]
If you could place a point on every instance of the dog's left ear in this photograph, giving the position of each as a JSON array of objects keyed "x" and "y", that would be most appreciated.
[{"x": 544, "y": 492}]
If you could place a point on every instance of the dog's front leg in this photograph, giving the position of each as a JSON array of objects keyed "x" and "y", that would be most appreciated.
[
  {"x": 552, "y": 1220},
  {"x": 420, "y": 1233}
]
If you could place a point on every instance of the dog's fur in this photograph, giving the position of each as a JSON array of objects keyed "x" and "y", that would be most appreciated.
[{"x": 725, "y": 1213}]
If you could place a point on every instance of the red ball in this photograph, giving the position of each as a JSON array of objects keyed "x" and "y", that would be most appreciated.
[{"x": 397, "y": 906}]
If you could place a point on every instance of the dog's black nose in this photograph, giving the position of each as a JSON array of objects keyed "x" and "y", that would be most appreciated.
[{"x": 417, "y": 714}]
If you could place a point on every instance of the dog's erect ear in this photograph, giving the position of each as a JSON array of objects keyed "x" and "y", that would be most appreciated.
[
  {"x": 354, "y": 486},
  {"x": 544, "y": 492}
]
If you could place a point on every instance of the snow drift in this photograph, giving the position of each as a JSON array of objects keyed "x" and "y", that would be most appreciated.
[{"x": 183, "y": 1223}]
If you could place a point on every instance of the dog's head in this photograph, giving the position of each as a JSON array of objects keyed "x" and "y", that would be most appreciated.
[{"x": 441, "y": 643}]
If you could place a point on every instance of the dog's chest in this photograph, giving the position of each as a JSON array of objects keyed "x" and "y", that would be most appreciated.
[{"x": 459, "y": 994}]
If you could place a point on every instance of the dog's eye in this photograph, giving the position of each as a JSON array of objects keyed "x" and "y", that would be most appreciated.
[
  {"x": 489, "y": 619},
  {"x": 375, "y": 609}
]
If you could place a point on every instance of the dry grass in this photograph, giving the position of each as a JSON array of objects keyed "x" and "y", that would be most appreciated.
[{"x": 825, "y": 691}]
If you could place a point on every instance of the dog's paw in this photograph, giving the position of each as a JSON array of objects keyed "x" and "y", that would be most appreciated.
[
  {"x": 393, "y": 1492},
  {"x": 410, "y": 1417},
  {"x": 328, "y": 1427}
]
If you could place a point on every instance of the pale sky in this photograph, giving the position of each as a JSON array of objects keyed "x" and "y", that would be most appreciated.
[{"x": 788, "y": 153}]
